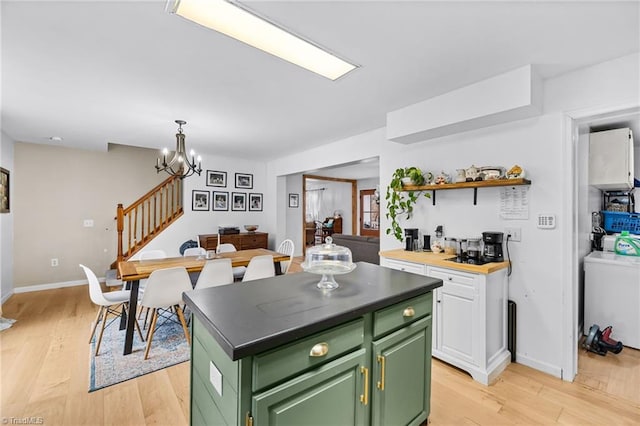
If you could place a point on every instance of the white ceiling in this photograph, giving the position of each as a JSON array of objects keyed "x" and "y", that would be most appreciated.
[{"x": 95, "y": 72}]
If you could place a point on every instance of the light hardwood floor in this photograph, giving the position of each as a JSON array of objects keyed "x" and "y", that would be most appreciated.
[{"x": 44, "y": 360}]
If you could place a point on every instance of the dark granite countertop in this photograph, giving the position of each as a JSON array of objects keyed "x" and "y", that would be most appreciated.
[{"x": 248, "y": 318}]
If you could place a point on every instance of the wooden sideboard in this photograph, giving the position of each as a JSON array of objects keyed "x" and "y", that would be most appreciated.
[{"x": 242, "y": 241}]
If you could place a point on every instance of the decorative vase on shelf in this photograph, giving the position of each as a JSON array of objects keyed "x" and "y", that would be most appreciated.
[
  {"x": 442, "y": 178},
  {"x": 471, "y": 174}
]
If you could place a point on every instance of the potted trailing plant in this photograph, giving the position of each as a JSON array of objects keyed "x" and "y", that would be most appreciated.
[{"x": 399, "y": 201}]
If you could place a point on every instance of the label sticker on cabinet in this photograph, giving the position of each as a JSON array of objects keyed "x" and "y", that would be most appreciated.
[{"x": 215, "y": 377}]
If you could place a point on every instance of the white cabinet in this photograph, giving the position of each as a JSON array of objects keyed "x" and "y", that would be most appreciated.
[
  {"x": 611, "y": 159},
  {"x": 456, "y": 311},
  {"x": 470, "y": 321}
]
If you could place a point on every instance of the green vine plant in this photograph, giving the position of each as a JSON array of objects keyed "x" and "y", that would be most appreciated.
[{"x": 400, "y": 202}]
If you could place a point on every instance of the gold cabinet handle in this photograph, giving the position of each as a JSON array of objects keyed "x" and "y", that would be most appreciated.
[
  {"x": 319, "y": 349},
  {"x": 408, "y": 312},
  {"x": 380, "y": 384},
  {"x": 364, "y": 398}
]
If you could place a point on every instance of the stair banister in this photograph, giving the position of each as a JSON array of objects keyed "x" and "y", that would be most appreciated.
[{"x": 142, "y": 228}]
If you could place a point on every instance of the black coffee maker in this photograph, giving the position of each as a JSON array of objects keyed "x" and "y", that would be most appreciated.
[
  {"x": 492, "y": 251},
  {"x": 411, "y": 239}
]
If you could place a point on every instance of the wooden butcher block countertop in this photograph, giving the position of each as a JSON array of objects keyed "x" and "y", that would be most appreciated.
[{"x": 439, "y": 259}]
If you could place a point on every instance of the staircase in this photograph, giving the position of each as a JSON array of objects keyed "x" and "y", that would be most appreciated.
[{"x": 143, "y": 220}]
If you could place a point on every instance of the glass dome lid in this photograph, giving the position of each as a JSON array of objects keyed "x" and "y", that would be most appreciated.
[{"x": 327, "y": 260}]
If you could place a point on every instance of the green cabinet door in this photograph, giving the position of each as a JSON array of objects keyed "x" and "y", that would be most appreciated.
[
  {"x": 333, "y": 394},
  {"x": 401, "y": 376}
]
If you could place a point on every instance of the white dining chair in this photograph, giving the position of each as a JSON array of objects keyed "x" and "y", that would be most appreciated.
[
  {"x": 238, "y": 271},
  {"x": 214, "y": 273},
  {"x": 110, "y": 303},
  {"x": 286, "y": 247},
  {"x": 195, "y": 251},
  {"x": 147, "y": 255},
  {"x": 152, "y": 254},
  {"x": 259, "y": 267},
  {"x": 164, "y": 293}
]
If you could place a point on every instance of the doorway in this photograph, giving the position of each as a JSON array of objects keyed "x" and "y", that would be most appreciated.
[
  {"x": 323, "y": 198},
  {"x": 583, "y": 200},
  {"x": 369, "y": 213}
]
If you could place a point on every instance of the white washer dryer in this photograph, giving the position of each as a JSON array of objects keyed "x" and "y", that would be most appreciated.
[{"x": 612, "y": 295}]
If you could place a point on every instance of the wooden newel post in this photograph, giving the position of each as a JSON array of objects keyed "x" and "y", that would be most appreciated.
[{"x": 120, "y": 229}]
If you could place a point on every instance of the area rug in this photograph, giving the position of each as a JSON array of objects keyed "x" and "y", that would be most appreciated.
[{"x": 169, "y": 347}]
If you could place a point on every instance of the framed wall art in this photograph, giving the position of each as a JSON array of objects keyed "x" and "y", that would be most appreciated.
[
  {"x": 244, "y": 180},
  {"x": 220, "y": 201},
  {"x": 239, "y": 201},
  {"x": 294, "y": 200},
  {"x": 200, "y": 200},
  {"x": 216, "y": 178},
  {"x": 4, "y": 191},
  {"x": 255, "y": 202}
]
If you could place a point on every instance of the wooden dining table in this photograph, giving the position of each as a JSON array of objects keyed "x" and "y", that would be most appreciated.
[{"x": 132, "y": 271}]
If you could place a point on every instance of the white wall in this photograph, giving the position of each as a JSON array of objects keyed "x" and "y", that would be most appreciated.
[
  {"x": 50, "y": 207},
  {"x": 537, "y": 144},
  {"x": 193, "y": 223},
  {"x": 6, "y": 223},
  {"x": 535, "y": 284},
  {"x": 294, "y": 222}
]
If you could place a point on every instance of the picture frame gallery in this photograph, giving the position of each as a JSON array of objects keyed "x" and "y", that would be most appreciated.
[{"x": 222, "y": 201}]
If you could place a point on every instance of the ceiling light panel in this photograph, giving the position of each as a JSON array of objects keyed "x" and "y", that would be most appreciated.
[{"x": 236, "y": 22}]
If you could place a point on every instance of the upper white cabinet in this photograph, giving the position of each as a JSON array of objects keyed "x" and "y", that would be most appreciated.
[{"x": 611, "y": 159}]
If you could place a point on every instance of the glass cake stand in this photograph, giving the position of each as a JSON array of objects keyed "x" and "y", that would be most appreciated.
[
  {"x": 328, "y": 260},
  {"x": 327, "y": 282}
]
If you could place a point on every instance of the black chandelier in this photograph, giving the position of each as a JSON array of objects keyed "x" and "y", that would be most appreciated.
[{"x": 179, "y": 165}]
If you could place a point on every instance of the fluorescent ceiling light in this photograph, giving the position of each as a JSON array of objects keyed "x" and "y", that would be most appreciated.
[{"x": 236, "y": 22}]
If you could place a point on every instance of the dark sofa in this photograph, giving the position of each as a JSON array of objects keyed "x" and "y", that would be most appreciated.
[{"x": 363, "y": 249}]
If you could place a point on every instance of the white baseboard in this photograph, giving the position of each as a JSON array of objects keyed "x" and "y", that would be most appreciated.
[
  {"x": 50, "y": 286},
  {"x": 6, "y": 297},
  {"x": 538, "y": 365}
]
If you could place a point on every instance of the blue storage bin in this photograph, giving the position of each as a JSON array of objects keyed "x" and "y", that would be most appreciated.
[{"x": 618, "y": 222}]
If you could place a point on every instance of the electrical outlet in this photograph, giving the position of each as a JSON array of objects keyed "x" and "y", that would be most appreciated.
[
  {"x": 513, "y": 233},
  {"x": 54, "y": 262},
  {"x": 88, "y": 223}
]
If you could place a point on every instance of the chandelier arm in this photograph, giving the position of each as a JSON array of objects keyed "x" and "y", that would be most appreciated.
[{"x": 172, "y": 161}]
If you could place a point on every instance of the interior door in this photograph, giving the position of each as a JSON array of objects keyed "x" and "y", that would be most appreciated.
[{"x": 369, "y": 214}]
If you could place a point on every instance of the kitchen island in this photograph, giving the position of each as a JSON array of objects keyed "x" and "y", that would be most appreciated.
[
  {"x": 281, "y": 351},
  {"x": 469, "y": 310}
]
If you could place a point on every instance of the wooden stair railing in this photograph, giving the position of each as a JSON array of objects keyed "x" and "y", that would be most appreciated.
[{"x": 143, "y": 220}]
